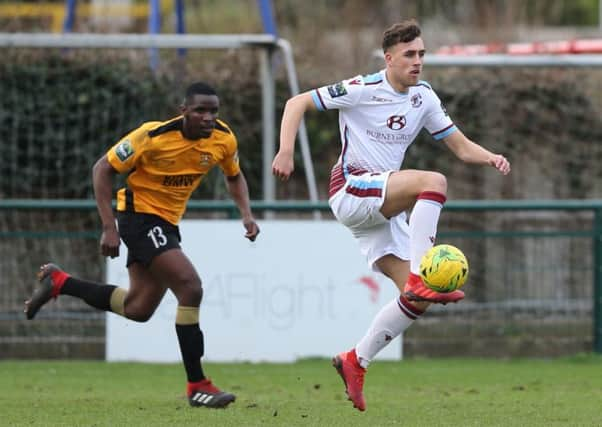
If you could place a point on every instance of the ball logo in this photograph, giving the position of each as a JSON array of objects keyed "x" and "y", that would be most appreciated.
[{"x": 396, "y": 122}]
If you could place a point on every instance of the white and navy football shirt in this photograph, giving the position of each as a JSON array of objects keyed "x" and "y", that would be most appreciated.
[{"x": 377, "y": 124}]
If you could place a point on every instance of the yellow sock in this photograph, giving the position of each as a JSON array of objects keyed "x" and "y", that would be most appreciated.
[
  {"x": 187, "y": 315},
  {"x": 118, "y": 301}
]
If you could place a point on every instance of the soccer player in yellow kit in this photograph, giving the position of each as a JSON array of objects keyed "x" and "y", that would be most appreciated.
[{"x": 166, "y": 162}]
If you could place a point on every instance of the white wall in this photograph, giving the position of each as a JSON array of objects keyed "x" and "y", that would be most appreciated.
[{"x": 298, "y": 291}]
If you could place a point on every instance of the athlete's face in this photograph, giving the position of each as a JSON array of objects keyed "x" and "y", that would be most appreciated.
[
  {"x": 404, "y": 64},
  {"x": 200, "y": 113}
]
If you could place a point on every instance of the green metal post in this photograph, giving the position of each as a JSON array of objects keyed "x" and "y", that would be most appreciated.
[{"x": 597, "y": 267}]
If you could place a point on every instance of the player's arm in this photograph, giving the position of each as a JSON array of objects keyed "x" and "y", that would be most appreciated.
[
  {"x": 471, "y": 152},
  {"x": 102, "y": 180},
  {"x": 239, "y": 191},
  {"x": 283, "y": 164}
]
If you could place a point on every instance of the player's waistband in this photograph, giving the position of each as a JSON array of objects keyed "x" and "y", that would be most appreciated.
[{"x": 371, "y": 187}]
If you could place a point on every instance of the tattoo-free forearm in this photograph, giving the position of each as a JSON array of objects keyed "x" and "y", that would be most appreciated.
[
  {"x": 102, "y": 180},
  {"x": 239, "y": 191},
  {"x": 476, "y": 154},
  {"x": 294, "y": 110}
]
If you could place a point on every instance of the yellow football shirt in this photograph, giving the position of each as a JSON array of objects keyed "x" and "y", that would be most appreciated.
[{"x": 165, "y": 168}]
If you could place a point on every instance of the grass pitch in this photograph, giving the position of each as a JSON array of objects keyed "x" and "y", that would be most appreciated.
[{"x": 425, "y": 392}]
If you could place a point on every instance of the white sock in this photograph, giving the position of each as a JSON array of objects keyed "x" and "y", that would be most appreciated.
[
  {"x": 389, "y": 322},
  {"x": 423, "y": 229}
]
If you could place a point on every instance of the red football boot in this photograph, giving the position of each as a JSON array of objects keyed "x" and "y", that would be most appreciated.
[
  {"x": 416, "y": 290},
  {"x": 352, "y": 374},
  {"x": 51, "y": 279}
]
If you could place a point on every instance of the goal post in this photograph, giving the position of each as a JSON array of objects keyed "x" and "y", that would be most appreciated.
[{"x": 266, "y": 43}]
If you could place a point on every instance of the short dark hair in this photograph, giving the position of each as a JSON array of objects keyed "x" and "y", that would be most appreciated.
[
  {"x": 199, "y": 88},
  {"x": 402, "y": 32}
]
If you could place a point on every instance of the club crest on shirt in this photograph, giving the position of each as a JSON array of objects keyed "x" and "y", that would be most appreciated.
[
  {"x": 416, "y": 100},
  {"x": 337, "y": 90},
  {"x": 396, "y": 122},
  {"x": 206, "y": 159},
  {"x": 124, "y": 150}
]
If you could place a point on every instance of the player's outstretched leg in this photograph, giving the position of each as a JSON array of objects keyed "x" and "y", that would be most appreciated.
[
  {"x": 204, "y": 393},
  {"x": 416, "y": 290},
  {"x": 51, "y": 278},
  {"x": 352, "y": 374}
]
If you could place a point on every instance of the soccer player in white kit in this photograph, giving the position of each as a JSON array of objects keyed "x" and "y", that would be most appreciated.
[{"x": 379, "y": 117}]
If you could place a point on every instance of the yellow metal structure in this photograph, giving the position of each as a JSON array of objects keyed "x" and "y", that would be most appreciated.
[{"x": 56, "y": 11}]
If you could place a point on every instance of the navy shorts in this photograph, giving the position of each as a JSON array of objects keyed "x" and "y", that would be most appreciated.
[{"x": 146, "y": 236}]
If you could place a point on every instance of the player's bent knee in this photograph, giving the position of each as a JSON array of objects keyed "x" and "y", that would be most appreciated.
[
  {"x": 138, "y": 315},
  {"x": 437, "y": 182}
]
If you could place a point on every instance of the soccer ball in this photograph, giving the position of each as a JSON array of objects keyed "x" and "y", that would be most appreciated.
[{"x": 444, "y": 268}]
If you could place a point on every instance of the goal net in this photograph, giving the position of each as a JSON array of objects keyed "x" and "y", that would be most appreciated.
[{"x": 63, "y": 106}]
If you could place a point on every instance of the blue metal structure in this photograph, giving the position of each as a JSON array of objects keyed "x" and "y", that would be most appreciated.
[
  {"x": 154, "y": 27},
  {"x": 154, "y": 23},
  {"x": 70, "y": 12},
  {"x": 180, "y": 22},
  {"x": 267, "y": 17}
]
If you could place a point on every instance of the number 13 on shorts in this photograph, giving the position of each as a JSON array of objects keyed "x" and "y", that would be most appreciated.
[{"x": 157, "y": 236}]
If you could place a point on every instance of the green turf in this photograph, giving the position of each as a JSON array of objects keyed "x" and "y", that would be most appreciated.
[{"x": 427, "y": 392}]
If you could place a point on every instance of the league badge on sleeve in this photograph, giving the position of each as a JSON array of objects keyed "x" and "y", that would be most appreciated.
[
  {"x": 124, "y": 150},
  {"x": 337, "y": 90}
]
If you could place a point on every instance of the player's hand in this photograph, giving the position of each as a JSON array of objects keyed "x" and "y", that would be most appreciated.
[
  {"x": 109, "y": 243},
  {"x": 283, "y": 165},
  {"x": 252, "y": 229},
  {"x": 500, "y": 163}
]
